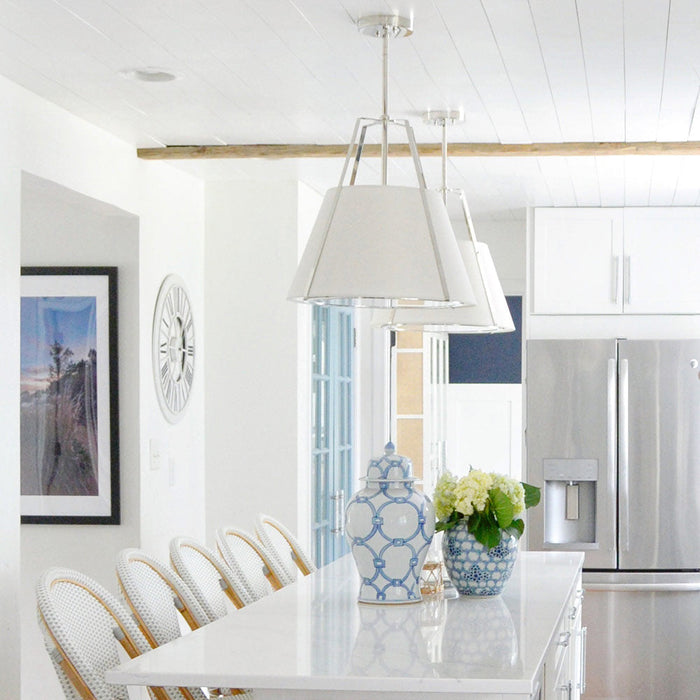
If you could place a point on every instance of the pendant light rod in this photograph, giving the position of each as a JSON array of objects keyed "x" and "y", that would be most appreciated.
[
  {"x": 444, "y": 161},
  {"x": 442, "y": 118},
  {"x": 385, "y": 27},
  {"x": 385, "y": 105}
]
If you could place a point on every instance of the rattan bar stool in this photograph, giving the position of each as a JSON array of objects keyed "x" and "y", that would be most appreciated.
[
  {"x": 157, "y": 597},
  {"x": 207, "y": 576},
  {"x": 83, "y": 624},
  {"x": 285, "y": 548},
  {"x": 249, "y": 560}
]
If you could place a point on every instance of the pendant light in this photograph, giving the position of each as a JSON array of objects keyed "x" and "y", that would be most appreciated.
[
  {"x": 491, "y": 313},
  {"x": 382, "y": 245}
]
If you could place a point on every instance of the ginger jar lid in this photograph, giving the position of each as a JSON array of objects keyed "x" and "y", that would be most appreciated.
[{"x": 390, "y": 466}]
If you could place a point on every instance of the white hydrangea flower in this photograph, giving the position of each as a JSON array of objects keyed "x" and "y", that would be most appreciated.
[
  {"x": 472, "y": 492},
  {"x": 444, "y": 498},
  {"x": 513, "y": 489}
]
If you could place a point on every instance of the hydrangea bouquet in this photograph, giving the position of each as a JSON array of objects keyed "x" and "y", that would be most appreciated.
[{"x": 489, "y": 502}]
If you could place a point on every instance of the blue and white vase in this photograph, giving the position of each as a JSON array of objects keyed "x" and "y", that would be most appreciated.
[
  {"x": 474, "y": 569},
  {"x": 389, "y": 526}
]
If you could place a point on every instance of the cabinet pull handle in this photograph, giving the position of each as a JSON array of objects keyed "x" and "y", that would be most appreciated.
[
  {"x": 627, "y": 279},
  {"x": 338, "y": 499},
  {"x": 616, "y": 279},
  {"x": 568, "y": 689},
  {"x": 582, "y": 681},
  {"x": 564, "y": 638}
]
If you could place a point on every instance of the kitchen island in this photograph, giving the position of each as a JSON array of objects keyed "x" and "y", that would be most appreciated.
[{"x": 314, "y": 640}]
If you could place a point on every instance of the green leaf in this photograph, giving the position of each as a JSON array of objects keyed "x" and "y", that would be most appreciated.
[
  {"x": 448, "y": 523},
  {"x": 485, "y": 528},
  {"x": 502, "y": 507},
  {"x": 532, "y": 494},
  {"x": 516, "y": 528}
]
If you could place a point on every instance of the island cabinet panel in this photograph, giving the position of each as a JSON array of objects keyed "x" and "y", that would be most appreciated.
[
  {"x": 635, "y": 260},
  {"x": 565, "y": 662}
]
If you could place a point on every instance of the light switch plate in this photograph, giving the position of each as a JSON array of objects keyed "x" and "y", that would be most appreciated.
[{"x": 155, "y": 455}]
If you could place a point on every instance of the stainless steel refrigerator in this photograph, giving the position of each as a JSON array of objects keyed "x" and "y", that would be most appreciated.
[{"x": 613, "y": 438}]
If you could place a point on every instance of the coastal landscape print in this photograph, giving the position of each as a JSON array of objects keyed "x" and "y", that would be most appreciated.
[{"x": 59, "y": 402}]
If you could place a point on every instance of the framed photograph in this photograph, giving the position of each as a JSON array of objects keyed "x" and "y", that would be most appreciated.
[{"x": 69, "y": 424}]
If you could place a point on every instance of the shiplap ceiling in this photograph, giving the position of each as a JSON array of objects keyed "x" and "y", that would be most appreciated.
[{"x": 297, "y": 71}]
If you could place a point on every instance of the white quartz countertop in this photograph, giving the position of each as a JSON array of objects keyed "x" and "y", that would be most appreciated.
[{"x": 314, "y": 635}]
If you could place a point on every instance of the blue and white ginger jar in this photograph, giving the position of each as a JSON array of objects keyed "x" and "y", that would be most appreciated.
[
  {"x": 473, "y": 568},
  {"x": 389, "y": 526}
]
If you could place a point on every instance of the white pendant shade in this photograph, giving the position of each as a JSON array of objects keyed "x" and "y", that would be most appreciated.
[
  {"x": 489, "y": 315},
  {"x": 383, "y": 246}
]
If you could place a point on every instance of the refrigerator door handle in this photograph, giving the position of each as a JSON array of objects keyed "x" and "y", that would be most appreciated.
[
  {"x": 612, "y": 440},
  {"x": 623, "y": 449}
]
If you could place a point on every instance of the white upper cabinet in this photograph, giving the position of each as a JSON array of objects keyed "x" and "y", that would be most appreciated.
[
  {"x": 662, "y": 260},
  {"x": 612, "y": 261},
  {"x": 577, "y": 261}
]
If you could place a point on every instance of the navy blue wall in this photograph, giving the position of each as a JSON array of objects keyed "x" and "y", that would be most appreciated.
[{"x": 489, "y": 359}]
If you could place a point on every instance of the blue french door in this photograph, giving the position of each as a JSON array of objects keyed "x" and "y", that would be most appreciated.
[{"x": 332, "y": 428}]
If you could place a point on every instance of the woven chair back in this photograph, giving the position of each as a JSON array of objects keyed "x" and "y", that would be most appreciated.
[
  {"x": 206, "y": 575},
  {"x": 278, "y": 539},
  {"x": 249, "y": 562},
  {"x": 83, "y": 624},
  {"x": 157, "y": 596}
]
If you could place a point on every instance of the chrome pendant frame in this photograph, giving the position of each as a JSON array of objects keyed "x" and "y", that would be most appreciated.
[{"x": 439, "y": 279}]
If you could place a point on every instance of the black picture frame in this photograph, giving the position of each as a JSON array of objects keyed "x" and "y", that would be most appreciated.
[{"x": 69, "y": 422}]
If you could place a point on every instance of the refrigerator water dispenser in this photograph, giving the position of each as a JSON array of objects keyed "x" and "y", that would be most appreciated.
[{"x": 570, "y": 500}]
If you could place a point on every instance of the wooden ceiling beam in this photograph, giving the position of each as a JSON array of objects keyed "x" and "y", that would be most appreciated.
[{"x": 278, "y": 151}]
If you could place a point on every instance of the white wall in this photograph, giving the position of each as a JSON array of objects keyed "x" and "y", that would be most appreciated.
[
  {"x": 9, "y": 398},
  {"x": 251, "y": 361},
  {"x": 507, "y": 243},
  {"x": 171, "y": 211},
  {"x": 39, "y": 139},
  {"x": 61, "y": 227}
]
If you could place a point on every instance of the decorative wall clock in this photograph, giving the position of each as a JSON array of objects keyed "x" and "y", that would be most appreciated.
[{"x": 173, "y": 347}]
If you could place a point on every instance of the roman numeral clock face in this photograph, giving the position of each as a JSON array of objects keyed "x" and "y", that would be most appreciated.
[{"x": 173, "y": 347}]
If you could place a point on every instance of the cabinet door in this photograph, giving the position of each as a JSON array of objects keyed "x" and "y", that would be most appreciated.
[
  {"x": 577, "y": 261},
  {"x": 661, "y": 257}
]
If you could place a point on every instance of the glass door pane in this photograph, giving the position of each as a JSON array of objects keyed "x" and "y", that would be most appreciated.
[{"x": 332, "y": 428}]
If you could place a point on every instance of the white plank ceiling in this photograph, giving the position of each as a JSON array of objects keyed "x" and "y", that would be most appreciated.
[{"x": 297, "y": 71}]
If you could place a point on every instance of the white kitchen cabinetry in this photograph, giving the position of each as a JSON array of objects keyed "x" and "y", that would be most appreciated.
[
  {"x": 565, "y": 662},
  {"x": 616, "y": 261}
]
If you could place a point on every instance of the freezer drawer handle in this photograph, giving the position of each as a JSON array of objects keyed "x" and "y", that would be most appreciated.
[{"x": 644, "y": 587}]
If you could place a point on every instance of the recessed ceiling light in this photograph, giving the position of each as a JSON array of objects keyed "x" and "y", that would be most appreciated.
[{"x": 149, "y": 75}]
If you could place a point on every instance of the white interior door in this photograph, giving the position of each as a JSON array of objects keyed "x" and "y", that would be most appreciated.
[{"x": 484, "y": 428}]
